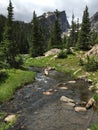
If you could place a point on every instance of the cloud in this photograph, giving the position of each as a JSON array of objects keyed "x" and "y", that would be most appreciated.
[{"x": 23, "y": 9}]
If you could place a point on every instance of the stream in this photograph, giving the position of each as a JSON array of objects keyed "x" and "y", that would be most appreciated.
[{"x": 40, "y": 111}]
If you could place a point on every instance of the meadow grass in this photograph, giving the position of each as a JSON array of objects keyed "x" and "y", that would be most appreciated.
[
  {"x": 69, "y": 64},
  {"x": 16, "y": 78},
  {"x": 94, "y": 127}
]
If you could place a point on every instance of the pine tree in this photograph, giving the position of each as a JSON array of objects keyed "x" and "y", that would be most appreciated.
[
  {"x": 9, "y": 47},
  {"x": 55, "y": 34},
  {"x": 37, "y": 40},
  {"x": 84, "y": 35},
  {"x": 73, "y": 32}
]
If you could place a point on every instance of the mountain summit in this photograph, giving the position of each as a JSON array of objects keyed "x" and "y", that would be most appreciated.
[{"x": 48, "y": 19}]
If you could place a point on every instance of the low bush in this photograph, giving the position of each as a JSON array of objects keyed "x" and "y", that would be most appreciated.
[
  {"x": 3, "y": 76},
  {"x": 62, "y": 54},
  {"x": 19, "y": 61},
  {"x": 81, "y": 62},
  {"x": 91, "y": 64}
]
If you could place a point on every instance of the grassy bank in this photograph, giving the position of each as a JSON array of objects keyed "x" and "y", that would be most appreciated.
[
  {"x": 69, "y": 64},
  {"x": 14, "y": 80}
]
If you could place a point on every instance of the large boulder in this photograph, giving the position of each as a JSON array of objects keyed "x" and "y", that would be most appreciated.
[
  {"x": 52, "y": 52},
  {"x": 93, "y": 51}
]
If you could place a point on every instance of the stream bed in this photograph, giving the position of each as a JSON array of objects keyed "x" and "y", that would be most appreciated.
[{"x": 38, "y": 110}]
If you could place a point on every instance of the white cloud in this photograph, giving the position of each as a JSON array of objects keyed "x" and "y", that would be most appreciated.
[{"x": 23, "y": 9}]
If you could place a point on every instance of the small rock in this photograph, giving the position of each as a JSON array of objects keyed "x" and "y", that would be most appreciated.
[
  {"x": 46, "y": 71},
  {"x": 70, "y": 104},
  {"x": 80, "y": 109},
  {"x": 90, "y": 103},
  {"x": 88, "y": 129},
  {"x": 97, "y": 86},
  {"x": 89, "y": 81},
  {"x": 63, "y": 88},
  {"x": 72, "y": 82},
  {"x": 61, "y": 85},
  {"x": 66, "y": 99},
  {"x": 96, "y": 91},
  {"x": 81, "y": 103},
  {"x": 91, "y": 88},
  {"x": 47, "y": 93},
  {"x": 83, "y": 77},
  {"x": 50, "y": 90},
  {"x": 10, "y": 118}
]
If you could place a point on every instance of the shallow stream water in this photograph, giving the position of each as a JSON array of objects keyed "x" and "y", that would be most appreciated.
[{"x": 38, "y": 111}]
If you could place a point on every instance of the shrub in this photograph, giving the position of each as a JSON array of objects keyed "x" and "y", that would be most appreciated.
[
  {"x": 91, "y": 64},
  {"x": 81, "y": 62},
  {"x": 19, "y": 61},
  {"x": 3, "y": 76},
  {"x": 62, "y": 54}
]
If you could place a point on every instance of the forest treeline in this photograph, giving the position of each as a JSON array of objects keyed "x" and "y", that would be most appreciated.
[{"x": 21, "y": 38}]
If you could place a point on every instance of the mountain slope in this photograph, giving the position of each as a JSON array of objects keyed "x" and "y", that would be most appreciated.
[{"x": 94, "y": 21}]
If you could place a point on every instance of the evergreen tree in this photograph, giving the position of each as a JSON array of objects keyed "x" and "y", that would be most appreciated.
[
  {"x": 37, "y": 40},
  {"x": 9, "y": 48},
  {"x": 94, "y": 36},
  {"x": 55, "y": 34},
  {"x": 73, "y": 32},
  {"x": 84, "y": 35}
]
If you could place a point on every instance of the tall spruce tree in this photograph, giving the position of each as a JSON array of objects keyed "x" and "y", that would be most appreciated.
[
  {"x": 55, "y": 34},
  {"x": 84, "y": 35},
  {"x": 9, "y": 48},
  {"x": 73, "y": 32},
  {"x": 37, "y": 40}
]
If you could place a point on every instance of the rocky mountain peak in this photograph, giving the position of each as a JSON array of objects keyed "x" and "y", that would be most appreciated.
[
  {"x": 48, "y": 19},
  {"x": 94, "y": 21}
]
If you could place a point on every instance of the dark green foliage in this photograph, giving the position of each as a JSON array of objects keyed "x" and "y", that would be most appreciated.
[
  {"x": 8, "y": 45},
  {"x": 21, "y": 34},
  {"x": 73, "y": 32},
  {"x": 93, "y": 37},
  {"x": 96, "y": 41},
  {"x": 84, "y": 35},
  {"x": 37, "y": 40},
  {"x": 2, "y": 24},
  {"x": 19, "y": 61},
  {"x": 81, "y": 62},
  {"x": 3, "y": 76},
  {"x": 62, "y": 54},
  {"x": 55, "y": 40},
  {"x": 91, "y": 64},
  {"x": 95, "y": 97}
]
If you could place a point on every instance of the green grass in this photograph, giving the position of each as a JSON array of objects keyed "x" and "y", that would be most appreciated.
[
  {"x": 96, "y": 97},
  {"x": 16, "y": 78},
  {"x": 69, "y": 64},
  {"x": 94, "y": 127},
  {"x": 71, "y": 61}
]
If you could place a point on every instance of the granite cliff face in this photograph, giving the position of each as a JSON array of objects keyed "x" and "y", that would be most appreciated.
[
  {"x": 48, "y": 19},
  {"x": 94, "y": 21}
]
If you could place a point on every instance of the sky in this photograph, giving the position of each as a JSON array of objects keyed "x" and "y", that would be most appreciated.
[{"x": 23, "y": 9}]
